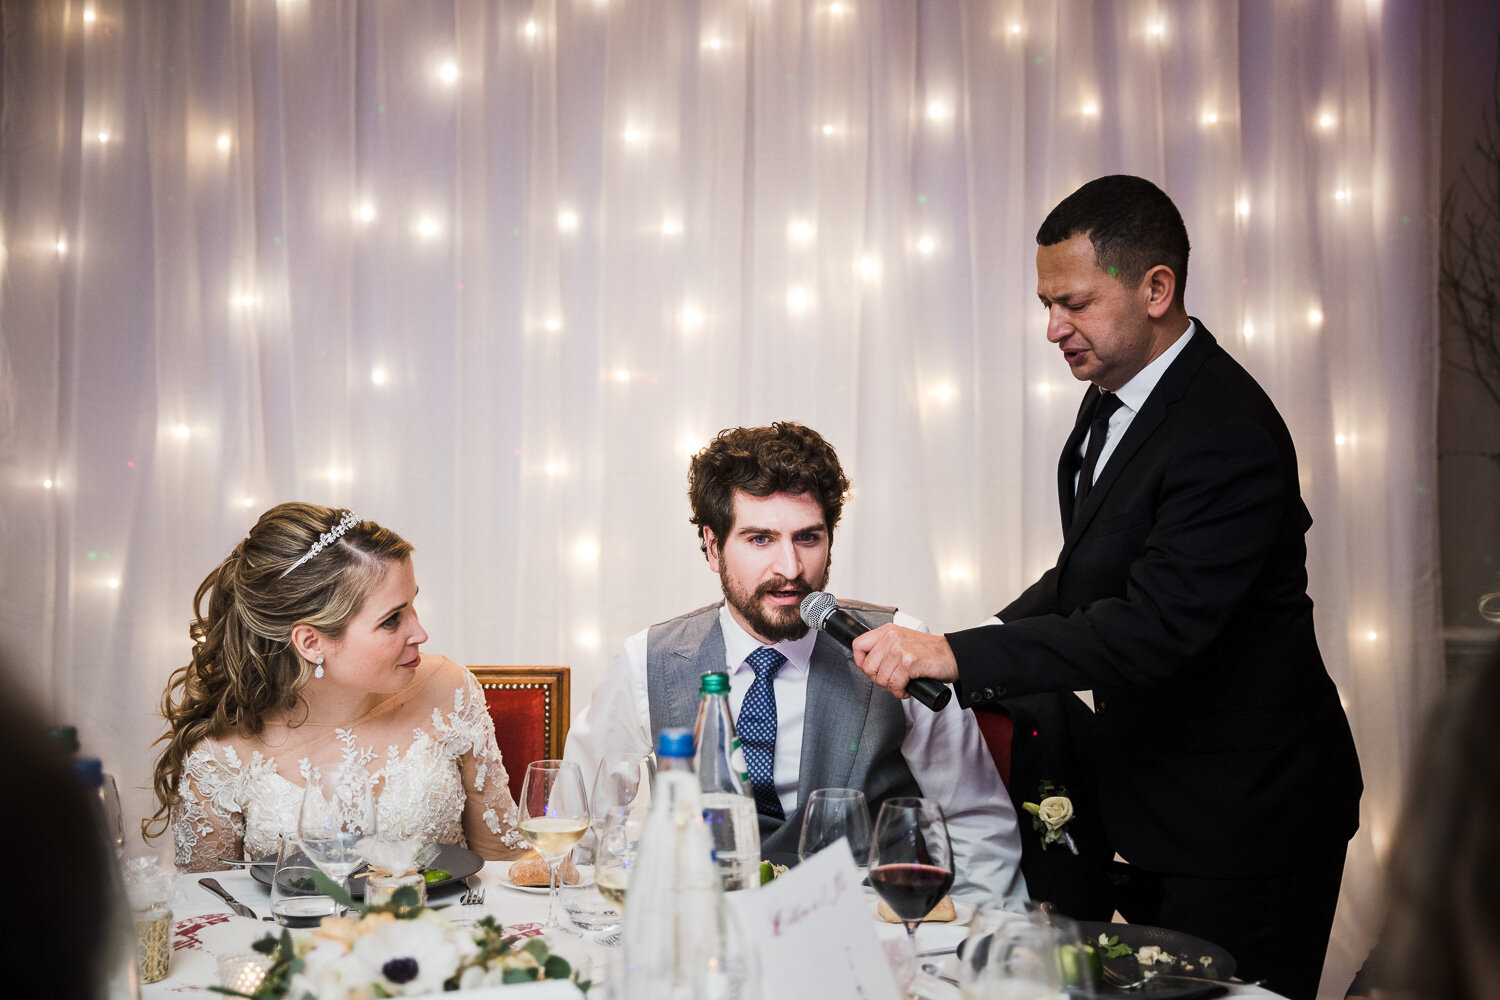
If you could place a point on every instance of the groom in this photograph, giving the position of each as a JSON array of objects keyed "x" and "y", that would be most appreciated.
[{"x": 766, "y": 501}]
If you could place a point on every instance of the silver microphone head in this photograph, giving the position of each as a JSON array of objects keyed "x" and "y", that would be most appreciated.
[{"x": 816, "y": 607}]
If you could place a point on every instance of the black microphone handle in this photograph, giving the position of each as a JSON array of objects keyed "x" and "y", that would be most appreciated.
[{"x": 845, "y": 628}]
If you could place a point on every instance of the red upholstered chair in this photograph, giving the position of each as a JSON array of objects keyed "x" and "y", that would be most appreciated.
[
  {"x": 997, "y": 729},
  {"x": 531, "y": 710}
]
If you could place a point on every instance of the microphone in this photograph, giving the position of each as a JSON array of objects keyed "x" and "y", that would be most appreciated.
[{"x": 821, "y": 611}]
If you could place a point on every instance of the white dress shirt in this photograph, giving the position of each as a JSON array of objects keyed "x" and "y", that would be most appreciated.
[
  {"x": 1132, "y": 397},
  {"x": 944, "y": 750}
]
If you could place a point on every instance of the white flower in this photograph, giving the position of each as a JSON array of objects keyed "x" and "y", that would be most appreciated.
[
  {"x": 410, "y": 957},
  {"x": 1055, "y": 811}
]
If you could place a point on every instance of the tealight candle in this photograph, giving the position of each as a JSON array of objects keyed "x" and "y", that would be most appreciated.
[{"x": 242, "y": 972}]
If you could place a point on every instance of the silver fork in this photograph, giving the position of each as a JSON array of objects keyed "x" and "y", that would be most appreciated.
[
  {"x": 474, "y": 894},
  {"x": 1120, "y": 981}
]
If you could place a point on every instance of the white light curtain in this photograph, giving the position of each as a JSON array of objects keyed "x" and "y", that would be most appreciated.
[{"x": 488, "y": 272}]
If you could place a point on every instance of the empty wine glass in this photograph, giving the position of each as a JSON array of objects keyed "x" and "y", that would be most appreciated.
[
  {"x": 338, "y": 810},
  {"x": 833, "y": 813},
  {"x": 295, "y": 900},
  {"x": 617, "y": 783},
  {"x": 1009, "y": 956},
  {"x": 554, "y": 817},
  {"x": 911, "y": 859}
]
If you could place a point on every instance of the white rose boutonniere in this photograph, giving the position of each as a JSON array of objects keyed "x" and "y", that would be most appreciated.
[{"x": 1050, "y": 817}]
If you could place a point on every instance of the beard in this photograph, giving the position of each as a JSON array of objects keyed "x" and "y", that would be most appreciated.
[{"x": 773, "y": 623}]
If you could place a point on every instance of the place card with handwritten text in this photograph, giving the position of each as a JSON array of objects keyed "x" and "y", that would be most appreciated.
[{"x": 813, "y": 933}]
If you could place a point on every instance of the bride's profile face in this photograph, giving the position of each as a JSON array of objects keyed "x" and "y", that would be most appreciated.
[{"x": 380, "y": 650}]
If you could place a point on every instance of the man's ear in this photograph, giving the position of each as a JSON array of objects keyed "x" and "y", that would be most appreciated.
[
  {"x": 711, "y": 549},
  {"x": 308, "y": 642},
  {"x": 1159, "y": 286}
]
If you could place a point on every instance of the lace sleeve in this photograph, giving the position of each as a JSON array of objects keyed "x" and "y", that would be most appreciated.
[
  {"x": 490, "y": 814},
  {"x": 208, "y": 824}
]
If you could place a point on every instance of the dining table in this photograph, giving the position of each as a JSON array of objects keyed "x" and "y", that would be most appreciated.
[{"x": 205, "y": 929}]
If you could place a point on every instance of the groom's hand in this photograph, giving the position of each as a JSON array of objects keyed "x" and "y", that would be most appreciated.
[{"x": 893, "y": 656}]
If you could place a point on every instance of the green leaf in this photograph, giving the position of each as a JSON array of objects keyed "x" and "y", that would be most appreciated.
[
  {"x": 518, "y": 976},
  {"x": 557, "y": 967},
  {"x": 404, "y": 901},
  {"x": 1031, "y": 807},
  {"x": 230, "y": 993},
  {"x": 537, "y": 949},
  {"x": 329, "y": 887}
]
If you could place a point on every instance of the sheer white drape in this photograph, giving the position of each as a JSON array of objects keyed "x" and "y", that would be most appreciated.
[{"x": 488, "y": 272}]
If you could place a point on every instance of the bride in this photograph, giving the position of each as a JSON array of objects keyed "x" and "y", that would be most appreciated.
[{"x": 308, "y": 656}]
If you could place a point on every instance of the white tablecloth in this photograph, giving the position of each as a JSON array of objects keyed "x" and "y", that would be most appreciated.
[{"x": 204, "y": 927}]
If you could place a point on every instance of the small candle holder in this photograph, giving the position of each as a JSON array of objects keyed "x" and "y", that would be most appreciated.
[
  {"x": 242, "y": 971},
  {"x": 380, "y": 887}
]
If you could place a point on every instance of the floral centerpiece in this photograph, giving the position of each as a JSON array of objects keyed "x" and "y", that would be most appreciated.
[{"x": 396, "y": 949}]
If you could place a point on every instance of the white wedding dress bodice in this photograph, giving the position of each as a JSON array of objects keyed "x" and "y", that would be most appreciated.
[{"x": 231, "y": 807}]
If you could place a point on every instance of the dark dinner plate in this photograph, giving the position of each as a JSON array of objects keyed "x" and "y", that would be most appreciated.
[
  {"x": 1188, "y": 950},
  {"x": 458, "y": 862}
]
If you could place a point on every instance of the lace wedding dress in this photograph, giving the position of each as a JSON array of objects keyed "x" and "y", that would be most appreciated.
[{"x": 235, "y": 808}]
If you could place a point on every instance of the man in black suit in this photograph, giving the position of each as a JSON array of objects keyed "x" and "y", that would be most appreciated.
[{"x": 1228, "y": 778}]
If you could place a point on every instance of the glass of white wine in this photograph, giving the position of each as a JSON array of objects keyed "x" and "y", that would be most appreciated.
[
  {"x": 619, "y": 842},
  {"x": 554, "y": 817}
]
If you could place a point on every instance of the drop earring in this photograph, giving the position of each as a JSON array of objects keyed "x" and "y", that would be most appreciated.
[{"x": 318, "y": 669}]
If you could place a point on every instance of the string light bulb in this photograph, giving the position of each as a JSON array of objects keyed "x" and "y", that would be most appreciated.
[
  {"x": 224, "y": 142},
  {"x": 553, "y": 324},
  {"x": 530, "y": 29},
  {"x": 692, "y": 317},
  {"x": 798, "y": 299},
  {"x": 800, "y": 231},
  {"x": 937, "y": 111},
  {"x": 1326, "y": 120},
  {"x": 448, "y": 72},
  {"x": 869, "y": 267},
  {"x": 1315, "y": 316},
  {"x": 365, "y": 212},
  {"x": 378, "y": 376},
  {"x": 926, "y": 245},
  {"x": 61, "y": 246},
  {"x": 670, "y": 226},
  {"x": 46, "y": 484},
  {"x": 103, "y": 136},
  {"x": 567, "y": 221},
  {"x": 89, "y": 16}
]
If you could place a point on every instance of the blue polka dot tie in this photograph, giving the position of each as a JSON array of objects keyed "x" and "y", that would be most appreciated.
[{"x": 757, "y": 730}]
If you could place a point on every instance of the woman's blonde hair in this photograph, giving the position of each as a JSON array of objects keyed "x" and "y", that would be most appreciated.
[{"x": 244, "y": 665}]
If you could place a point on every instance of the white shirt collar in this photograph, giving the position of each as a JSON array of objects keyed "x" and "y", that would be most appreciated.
[
  {"x": 1133, "y": 393},
  {"x": 739, "y": 644}
]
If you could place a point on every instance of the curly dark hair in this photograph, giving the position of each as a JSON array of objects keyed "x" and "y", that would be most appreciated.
[
  {"x": 782, "y": 458},
  {"x": 1132, "y": 224}
]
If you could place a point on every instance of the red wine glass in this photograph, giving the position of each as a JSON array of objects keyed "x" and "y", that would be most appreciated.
[{"x": 911, "y": 859}]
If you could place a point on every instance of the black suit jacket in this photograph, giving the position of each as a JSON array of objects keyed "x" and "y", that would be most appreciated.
[{"x": 1180, "y": 599}]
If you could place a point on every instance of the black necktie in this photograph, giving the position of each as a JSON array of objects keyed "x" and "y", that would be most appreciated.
[{"x": 1098, "y": 431}]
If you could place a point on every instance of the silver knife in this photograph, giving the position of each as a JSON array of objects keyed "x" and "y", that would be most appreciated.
[{"x": 213, "y": 886}]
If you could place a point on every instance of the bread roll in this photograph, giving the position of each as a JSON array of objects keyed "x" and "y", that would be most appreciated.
[
  {"x": 530, "y": 869},
  {"x": 942, "y": 913}
]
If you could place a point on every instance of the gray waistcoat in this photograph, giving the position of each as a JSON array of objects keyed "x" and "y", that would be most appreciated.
[{"x": 852, "y": 729}]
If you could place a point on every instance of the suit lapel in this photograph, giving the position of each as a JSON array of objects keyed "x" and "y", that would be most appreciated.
[
  {"x": 1173, "y": 383},
  {"x": 833, "y": 720},
  {"x": 687, "y": 669}
]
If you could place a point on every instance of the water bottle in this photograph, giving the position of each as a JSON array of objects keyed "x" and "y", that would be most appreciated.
[
  {"x": 724, "y": 781},
  {"x": 676, "y": 943},
  {"x": 91, "y": 773}
]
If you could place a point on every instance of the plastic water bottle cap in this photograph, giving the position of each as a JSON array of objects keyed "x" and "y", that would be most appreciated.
[
  {"x": 90, "y": 771},
  {"x": 675, "y": 743},
  {"x": 714, "y": 682}
]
